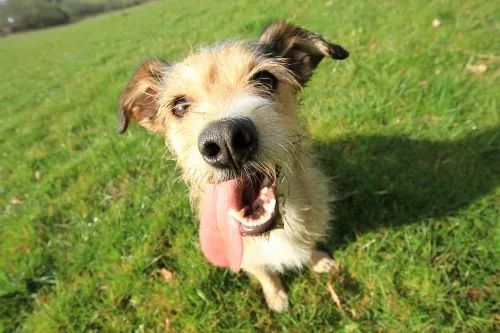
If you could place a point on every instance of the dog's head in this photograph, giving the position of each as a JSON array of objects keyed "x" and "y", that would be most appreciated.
[{"x": 228, "y": 113}]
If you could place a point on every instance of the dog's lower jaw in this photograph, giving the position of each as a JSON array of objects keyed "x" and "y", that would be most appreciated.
[{"x": 305, "y": 210}]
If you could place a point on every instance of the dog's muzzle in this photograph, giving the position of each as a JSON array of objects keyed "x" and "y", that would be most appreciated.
[{"x": 228, "y": 143}]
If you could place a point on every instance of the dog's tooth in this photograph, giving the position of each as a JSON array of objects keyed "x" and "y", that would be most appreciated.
[
  {"x": 248, "y": 224},
  {"x": 237, "y": 215},
  {"x": 235, "y": 218},
  {"x": 269, "y": 207},
  {"x": 233, "y": 213}
]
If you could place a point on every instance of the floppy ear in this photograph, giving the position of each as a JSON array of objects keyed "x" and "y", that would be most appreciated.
[
  {"x": 138, "y": 100},
  {"x": 302, "y": 48}
]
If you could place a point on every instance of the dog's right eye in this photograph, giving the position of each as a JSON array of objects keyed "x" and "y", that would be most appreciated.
[
  {"x": 266, "y": 79},
  {"x": 180, "y": 106}
]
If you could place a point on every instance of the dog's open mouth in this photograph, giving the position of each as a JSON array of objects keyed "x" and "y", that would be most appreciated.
[
  {"x": 245, "y": 206},
  {"x": 259, "y": 206}
]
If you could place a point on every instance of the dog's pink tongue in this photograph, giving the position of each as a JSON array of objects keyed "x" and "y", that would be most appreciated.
[{"x": 220, "y": 237}]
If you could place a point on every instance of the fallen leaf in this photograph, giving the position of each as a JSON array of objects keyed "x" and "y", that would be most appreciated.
[
  {"x": 495, "y": 318},
  {"x": 16, "y": 201},
  {"x": 166, "y": 274},
  {"x": 446, "y": 161},
  {"x": 475, "y": 294},
  {"x": 478, "y": 69},
  {"x": 431, "y": 118},
  {"x": 423, "y": 84},
  {"x": 436, "y": 23},
  {"x": 22, "y": 248}
]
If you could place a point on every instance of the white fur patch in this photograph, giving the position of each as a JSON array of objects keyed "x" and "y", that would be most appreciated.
[
  {"x": 305, "y": 211},
  {"x": 277, "y": 252},
  {"x": 247, "y": 105}
]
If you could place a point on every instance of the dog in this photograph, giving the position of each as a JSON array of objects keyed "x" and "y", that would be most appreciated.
[{"x": 228, "y": 114}]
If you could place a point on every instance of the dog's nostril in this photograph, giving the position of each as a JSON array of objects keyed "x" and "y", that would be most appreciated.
[
  {"x": 211, "y": 149},
  {"x": 242, "y": 139}
]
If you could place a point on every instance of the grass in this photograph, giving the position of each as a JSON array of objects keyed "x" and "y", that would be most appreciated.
[{"x": 412, "y": 138}]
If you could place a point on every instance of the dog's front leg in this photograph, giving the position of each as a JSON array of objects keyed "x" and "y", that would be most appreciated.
[
  {"x": 321, "y": 262},
  {"x": 274, "y": 293}
]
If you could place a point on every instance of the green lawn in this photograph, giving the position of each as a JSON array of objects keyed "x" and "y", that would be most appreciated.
[{"x": 411, "y": 137}]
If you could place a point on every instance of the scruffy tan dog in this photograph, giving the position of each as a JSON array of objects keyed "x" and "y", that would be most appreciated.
[{"x": 228, "y": 113}]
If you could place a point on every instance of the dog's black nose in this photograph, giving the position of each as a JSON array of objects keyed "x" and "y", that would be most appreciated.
[{"x": 228, "y": 143}]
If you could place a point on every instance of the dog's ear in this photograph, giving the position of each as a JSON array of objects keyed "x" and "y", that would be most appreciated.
[
  {"x": 138, "y": 100},
  {"x": 302, "y": 48}
]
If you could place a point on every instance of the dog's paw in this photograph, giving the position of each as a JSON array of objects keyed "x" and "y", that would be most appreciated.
[
  {"x": 277, "y": 300},
  {"x": 323, "y": 263}
]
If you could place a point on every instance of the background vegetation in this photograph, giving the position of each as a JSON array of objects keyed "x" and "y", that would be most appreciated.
[
  {"x": 408, "y": 127},
  {"x": 17, "y": 15}
]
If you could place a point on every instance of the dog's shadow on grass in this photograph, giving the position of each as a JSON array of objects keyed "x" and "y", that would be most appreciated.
[{"x": 390, "y": 181}]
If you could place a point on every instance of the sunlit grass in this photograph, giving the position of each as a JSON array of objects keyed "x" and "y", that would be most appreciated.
[{"x": 409, "y": 135}]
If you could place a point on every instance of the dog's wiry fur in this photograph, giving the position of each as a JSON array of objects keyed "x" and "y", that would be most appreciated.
[{"x": 218, "y": 84}]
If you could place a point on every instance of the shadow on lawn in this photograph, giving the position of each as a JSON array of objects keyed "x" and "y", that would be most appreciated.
[{"x": 395, "y": 180}]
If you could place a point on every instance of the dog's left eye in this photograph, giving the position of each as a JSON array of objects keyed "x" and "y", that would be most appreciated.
[
  {"x": 265, "y": 79},
  {"x": 180, "y": 106}
]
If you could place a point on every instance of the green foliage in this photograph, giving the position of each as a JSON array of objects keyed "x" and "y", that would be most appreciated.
[
  {"x": 88, "y": 218},
  {"x": 35, "y": 14},
  {"x": 32, "y": 14},
  {"x": 79, "y": 8}
]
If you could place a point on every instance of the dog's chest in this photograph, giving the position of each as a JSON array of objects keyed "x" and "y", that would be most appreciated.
[{"x": 276, "y": 251}]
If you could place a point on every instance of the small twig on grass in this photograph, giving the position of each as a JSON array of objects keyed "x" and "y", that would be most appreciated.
[
  {"x": 334, "y": 295},
  {"x": 347, "y": 195}
]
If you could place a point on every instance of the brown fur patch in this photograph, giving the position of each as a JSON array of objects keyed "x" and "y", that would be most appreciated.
[
  {"x": 302, "y": 48},
  {"x": 138, "y": 99}
]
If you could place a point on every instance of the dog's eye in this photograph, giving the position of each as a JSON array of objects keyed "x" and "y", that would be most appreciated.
[
  {"x": 180, "y": 106},
  {"x": 265, "y": 79}
]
